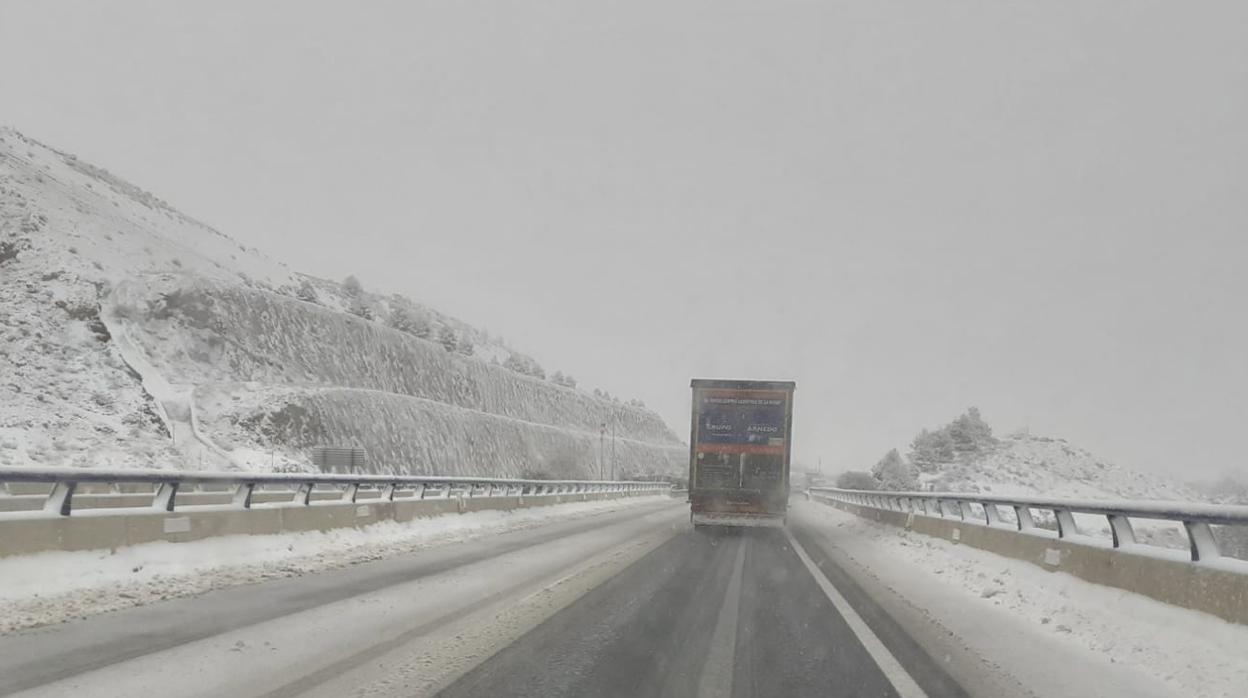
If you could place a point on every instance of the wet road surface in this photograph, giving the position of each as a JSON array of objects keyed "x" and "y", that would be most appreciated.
[
  {"x": 733, "y": 612},
  {"x": 629, "y": 603}
]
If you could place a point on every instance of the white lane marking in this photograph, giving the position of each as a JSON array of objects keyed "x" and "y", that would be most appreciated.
[
  {"x": 892, "y": 669},
  {"x": 716, "y": 678}
]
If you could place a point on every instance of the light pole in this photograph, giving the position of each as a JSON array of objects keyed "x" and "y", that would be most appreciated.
[{"x": 602, "y": 435}]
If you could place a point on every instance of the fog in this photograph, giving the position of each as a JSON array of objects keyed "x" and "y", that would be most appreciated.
[{"x": 907, "y": 207}]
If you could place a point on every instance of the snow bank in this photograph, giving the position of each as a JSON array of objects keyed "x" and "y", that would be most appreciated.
[{"x": 1180, "y": 652}]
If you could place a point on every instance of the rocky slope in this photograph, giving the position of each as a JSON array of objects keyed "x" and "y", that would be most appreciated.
[{"x": 134, "y": 335}]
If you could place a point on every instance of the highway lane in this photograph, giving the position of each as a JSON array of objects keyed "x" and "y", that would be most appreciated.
[
  {"x": 632, "y": 603},
  {"x": 204, "y": 645},
  {"x": 719, "y": 613}
]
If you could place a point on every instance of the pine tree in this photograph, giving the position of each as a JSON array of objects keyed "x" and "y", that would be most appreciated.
[
  {"x": 895, "y": 474},
  {"x": 931, "y": 448}
]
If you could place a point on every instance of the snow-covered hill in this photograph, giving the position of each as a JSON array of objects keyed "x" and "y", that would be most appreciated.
[
  {"x": 133, "y": 335},
  {"x": 1021, "y": 464}
]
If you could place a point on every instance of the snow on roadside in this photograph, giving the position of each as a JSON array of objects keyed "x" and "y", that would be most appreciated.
[
  {"x": 1183, "y": 652},
  {"x": 49, "y": 588}
]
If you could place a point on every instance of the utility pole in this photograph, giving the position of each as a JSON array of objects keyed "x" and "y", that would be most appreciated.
[
  {"x": 602, "y": 466},
  {"x": 614, "y": 418}
]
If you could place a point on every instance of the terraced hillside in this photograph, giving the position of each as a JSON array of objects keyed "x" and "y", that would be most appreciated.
[{"x": 141, "y": 337}]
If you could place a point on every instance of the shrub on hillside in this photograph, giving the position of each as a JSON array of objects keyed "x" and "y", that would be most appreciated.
[
  {"x": 970, "y": 433},
  {"x": 401, "y": 319},
  {"x": 523, "y": 364},
  {"x": 894, "y": 473},
  {"x": 931, "y": 448},
  {"x": 195, "y": 308},
  {"x": 307, "y": 292},
  {"x": 9, "y": 249},
  {"x": 360, "y": 307},
  {"x": 856, "y": 480},
  {"x": 967, "y": 435},
  {"x": 447, "y": 338}
]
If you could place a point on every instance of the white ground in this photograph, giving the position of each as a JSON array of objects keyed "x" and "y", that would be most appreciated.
[
  {"x": 1023, "y": 464},
  {"x": 1056, "y": 634},
  {"x": 55, "y": 587}
]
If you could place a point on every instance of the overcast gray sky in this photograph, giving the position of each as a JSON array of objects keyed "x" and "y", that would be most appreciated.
[{"x": 909, "y": 207}]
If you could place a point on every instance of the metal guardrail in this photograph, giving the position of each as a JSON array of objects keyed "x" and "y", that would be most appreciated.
[
  {"x": 167, "y": 484},
  {"x": 1196, "y": 518}
]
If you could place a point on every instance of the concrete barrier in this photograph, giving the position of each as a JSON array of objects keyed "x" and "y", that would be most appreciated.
[
  {"x": 111, "y": 527},
  {"x": 1219, "y": 587}
]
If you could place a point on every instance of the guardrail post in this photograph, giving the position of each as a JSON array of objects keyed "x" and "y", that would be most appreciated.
[
  {"x": 242, "y": 495},
  {"x": 1204, "y": 545},
  {"x": 1120, "y": 526},
  {"x": 303, "y": 495},
  {"x": 1065, "y": 523},
  {"x": 387, "y": 492},
  {"x": 991, "y": 514},
  {"x": 61, "y": 498},
  {"x": 350, "y": 492},
  {"x": 165, "y": 494},
  {"x": 419, "y": 491},
  {"x": 1025, "y": 522}
]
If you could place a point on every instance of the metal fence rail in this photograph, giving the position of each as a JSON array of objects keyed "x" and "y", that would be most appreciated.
[
  {"x": 1196, "y": 518},
  {"x": 300, "y": 486}
]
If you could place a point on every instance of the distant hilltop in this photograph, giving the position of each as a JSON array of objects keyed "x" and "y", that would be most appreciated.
[{"x": 965, "y": 456}]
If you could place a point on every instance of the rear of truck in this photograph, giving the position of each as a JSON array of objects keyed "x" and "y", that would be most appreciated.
[{"x": 739, "y": 452}]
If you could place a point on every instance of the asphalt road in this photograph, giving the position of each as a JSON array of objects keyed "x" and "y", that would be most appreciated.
[
  {"x": 722, "y": 613},
  {"x": 632, "y": 603}
]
